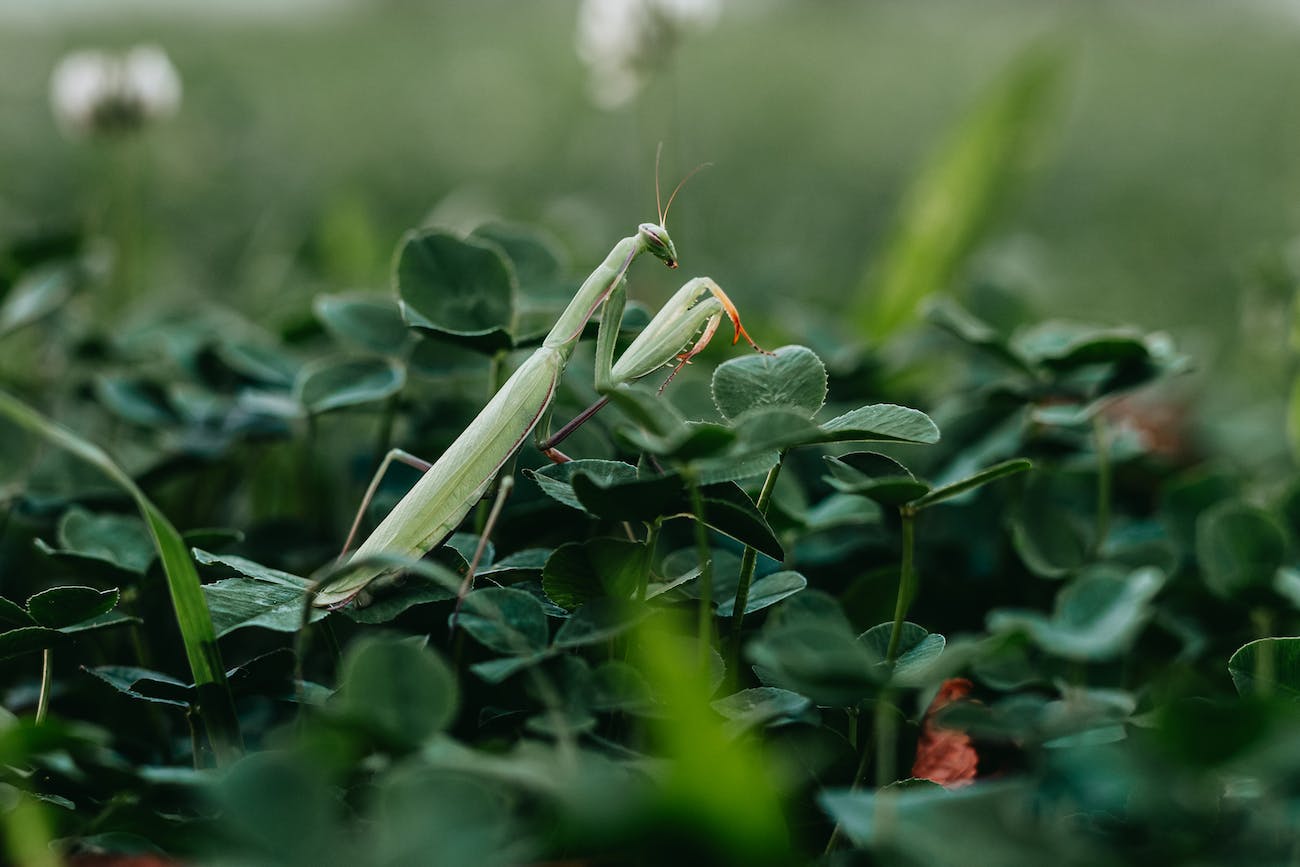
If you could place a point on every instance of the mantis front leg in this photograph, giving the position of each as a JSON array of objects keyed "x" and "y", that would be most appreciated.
[{"x": 679, "y": 331}]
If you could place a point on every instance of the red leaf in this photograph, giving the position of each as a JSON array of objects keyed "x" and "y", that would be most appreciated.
[{"x": 945, "y": 755}]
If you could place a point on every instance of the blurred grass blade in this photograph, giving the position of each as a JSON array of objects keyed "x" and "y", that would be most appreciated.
[
  {"x": 216, "y": 706},
  {"x": 957, "y": 196},
  {"x": 718, "y": 783}
]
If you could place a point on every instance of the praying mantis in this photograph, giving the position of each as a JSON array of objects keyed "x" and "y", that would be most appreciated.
[{"x": 452, "y": 485}]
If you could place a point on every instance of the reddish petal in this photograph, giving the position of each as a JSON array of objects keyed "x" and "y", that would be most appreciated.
[{"x": 945, "y": 755}]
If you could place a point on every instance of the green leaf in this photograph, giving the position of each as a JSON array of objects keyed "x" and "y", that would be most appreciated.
[
  {"x": 1097, "y": 617},
  {"x": 643, "y": 499},
  {"x": 143, "y": 684},
  {"x": 462, "y": 290},
  {"x": 579, "y": 572},
  {"x": 597, "y": 622},
  {"x": 13, "y": 615},
  {"x": 762, "y": 705},
  {"x": 280, "y": 802},
  {"x": 1062, "y": 345},
  {"x": 918, "y": 650},
  {"x": 959, "y": 322},
  {"x": 729, "y": 510},
  {"x": 875, "y": 476},
  {"x": 120, "y": 540},
  {"x": 807, "y": 646},
  {"x": 1051, "y": 537},
  {"x": 765, "y": 592},
  {"x": 261, "y": 362},
  {"x": 403, "y": 692},
  {"x": 556, "y": 480},
  {"x": 37, "y": 294},
  {"x": 420, "y": 584},
  {"x": 970, "y": 483},
  {"x": 136, "y": 400},
  {"x": 1267, "y": 665},
  {"x": 61, "y": 607},
  {"x": 884, "y": 422},
  {"x": 342, "y": 383},
  {"x": 791, "y": 378},
  {"x": 499, "y": 670},
  {"x": 263, "y": 597},
  {"x": 1240, "y": 548},
  {"x": 957, "y": 195},
  {"x": 537, "y": 259},
  {"x": 247, "y": 567},
  {"x": 544, "y": 289},
  {"x": 28, "y": 639},
  {"x": 367, "y": 321},
  {"x": 505, "y": 620},
  {"x": 931, "y": 825},
  {"x": 216, "y": 707}
]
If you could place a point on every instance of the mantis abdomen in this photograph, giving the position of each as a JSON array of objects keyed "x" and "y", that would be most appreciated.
[{"x": 437, "y": 504}]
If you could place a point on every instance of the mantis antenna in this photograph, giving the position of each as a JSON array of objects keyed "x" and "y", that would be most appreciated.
[{"x": 661, "y": 208}]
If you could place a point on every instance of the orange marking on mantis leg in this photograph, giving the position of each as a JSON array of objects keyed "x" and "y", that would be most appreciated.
[{"x": 734, "y": 315}]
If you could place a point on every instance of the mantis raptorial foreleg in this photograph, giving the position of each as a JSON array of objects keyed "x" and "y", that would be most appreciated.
[{"x": 450, "y": 487}]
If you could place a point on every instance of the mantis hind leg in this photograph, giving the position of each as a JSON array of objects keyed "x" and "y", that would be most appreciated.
[{"x": 393, "y": 455}]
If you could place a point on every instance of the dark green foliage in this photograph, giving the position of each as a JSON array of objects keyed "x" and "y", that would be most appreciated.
[{"x": 712, "y": 638}]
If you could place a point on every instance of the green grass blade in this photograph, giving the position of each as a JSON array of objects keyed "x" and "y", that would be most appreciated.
[
  {"x": 957, "y": 196},
  {"x": 216, "y": 706}
]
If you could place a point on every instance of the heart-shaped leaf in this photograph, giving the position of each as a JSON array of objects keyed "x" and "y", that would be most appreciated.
[
  {"x": 368, "y": 321},
  {"x": 875, "y": 476},
  {"x": 1267, "y": 665},
  {"x": 400, "y": 691},
  {"x": 460, "y": 289},
  {"x": 579, "y": 572},
  {"x": 765, "y": 592},
  {"x": 29, "y": 639},
  {"x": 339, "y": 384},
  {"x": 918, "y": 650},
  {"x": 1240, "y": 548},
  {"x": 506, "y": 620},
  {"x": 120, "y": 540},
  {"x": 1097, "y": 617},
  {"x": 60, "y": 607},
  {"x": 792, "y": 378},
  {"x": 882, "y": 422}
]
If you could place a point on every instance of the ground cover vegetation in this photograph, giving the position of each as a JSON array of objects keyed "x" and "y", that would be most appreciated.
[{"x": 961, "y": 585}]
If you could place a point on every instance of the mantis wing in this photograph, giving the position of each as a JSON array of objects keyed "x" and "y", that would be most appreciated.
[{"x": 437, "y": 504}]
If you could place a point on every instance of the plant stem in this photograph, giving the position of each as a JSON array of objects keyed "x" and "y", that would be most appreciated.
[
  {"x": 906, "y": 581},
  {"x": 706, "y": 571},
  {"x": 748, "y": 560},
  {"x": 1101, "y": 445},
  {"x": 864, "y": 761},
  {"x": 643, "y": 580},
  {"x": 1265, "y": 667},
  {"x": 47, "y": 679},
  {"x": 885, "y": 734}
]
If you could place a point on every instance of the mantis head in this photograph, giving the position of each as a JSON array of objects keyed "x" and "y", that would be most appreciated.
[{"x": 656, "y": 240}]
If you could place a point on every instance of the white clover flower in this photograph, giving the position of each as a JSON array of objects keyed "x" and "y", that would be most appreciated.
[
  {"x": 621, "y": 41},
  {"x": 94, "y": 92}
]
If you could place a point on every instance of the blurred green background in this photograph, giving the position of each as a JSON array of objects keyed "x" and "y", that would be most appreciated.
[{"x": 312, "y": 134}]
